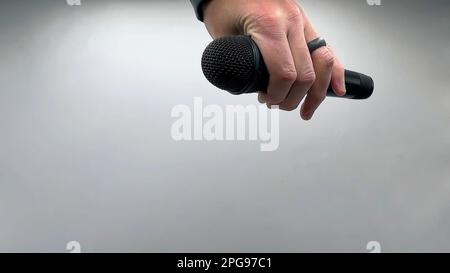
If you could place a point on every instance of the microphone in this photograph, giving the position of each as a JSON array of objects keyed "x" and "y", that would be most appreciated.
[{"x": 235, "y": 64}]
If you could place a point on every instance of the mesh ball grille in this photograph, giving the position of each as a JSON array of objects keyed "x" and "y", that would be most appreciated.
[{"x": 229, "y": 63}]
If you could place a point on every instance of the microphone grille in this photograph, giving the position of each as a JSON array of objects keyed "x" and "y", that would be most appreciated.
[{"x": 229, "y": 64}]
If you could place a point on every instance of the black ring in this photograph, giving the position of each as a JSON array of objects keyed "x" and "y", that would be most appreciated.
[{"x": 316, "y": 44}]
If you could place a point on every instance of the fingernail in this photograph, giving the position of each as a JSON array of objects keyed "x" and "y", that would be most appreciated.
[
  {"x": 343, "y": 88},
  {"x": 261, "y": 99},
  {"x": 307, "y": 115}
]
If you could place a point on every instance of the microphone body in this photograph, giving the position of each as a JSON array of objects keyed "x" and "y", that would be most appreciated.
[{"x": 235, "y": 64}]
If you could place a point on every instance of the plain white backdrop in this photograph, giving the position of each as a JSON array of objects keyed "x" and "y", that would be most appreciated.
[{"x": 86, "y": 153}]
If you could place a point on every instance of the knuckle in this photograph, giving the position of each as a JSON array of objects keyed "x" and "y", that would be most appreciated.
[
  {"x": 308, "y": 77},
  {"x": 287, "y": 75},
  {"x": 267, "y": 24},
  {"x": 327, "y": 58},
  {"x": 294, "y": 14},
  {"x": 275, "y": 20},
  {"x": 267, "y": 20}
]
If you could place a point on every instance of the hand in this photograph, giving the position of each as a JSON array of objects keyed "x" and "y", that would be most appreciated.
[{"x": 281, "y": 29}]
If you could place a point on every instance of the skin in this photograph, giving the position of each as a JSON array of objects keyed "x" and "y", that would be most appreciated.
[{"x": 281, "y": 29}]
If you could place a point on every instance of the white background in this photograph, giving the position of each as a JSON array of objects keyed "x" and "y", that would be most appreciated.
[{"x": 86, "y": 152}]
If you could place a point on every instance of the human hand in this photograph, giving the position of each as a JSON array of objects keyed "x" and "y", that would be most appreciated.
[{"x": 281, "y": 29}]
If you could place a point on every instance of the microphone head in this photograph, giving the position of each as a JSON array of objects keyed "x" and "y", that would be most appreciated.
[{"x": 235, "y": 64}]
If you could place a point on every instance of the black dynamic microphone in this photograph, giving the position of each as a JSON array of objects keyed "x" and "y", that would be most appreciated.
[{"x": 235, "y": 64}]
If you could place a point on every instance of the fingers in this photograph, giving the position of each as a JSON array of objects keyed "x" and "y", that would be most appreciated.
[
  {"x": 303, "y": 65},
  {"x": 323, "y": 61},
  {"x": 338, "y": 76},
  {"x": 262, "y": 97},
  {"x": 295, "y": 74},
  {"x": 280, "y": 65}
]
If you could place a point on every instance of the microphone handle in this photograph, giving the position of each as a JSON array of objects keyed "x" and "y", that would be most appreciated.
[{"x": 358, "y": 85}]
